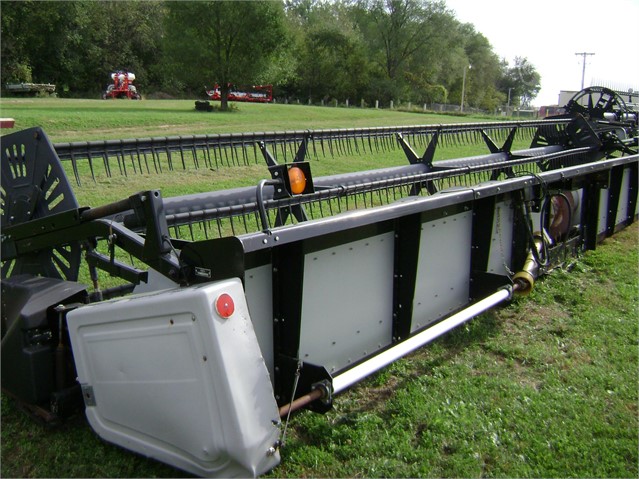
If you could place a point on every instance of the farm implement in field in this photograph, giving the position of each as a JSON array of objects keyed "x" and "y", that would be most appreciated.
[
  {"x": 254, "y": 93},
  {"x": 250, "y": 94},
  {"x": 234, "y": 308},
  {"x": 122, "y": 86}
]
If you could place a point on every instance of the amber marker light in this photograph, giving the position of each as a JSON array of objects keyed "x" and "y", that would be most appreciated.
[
  {"x": 297, "y": 180},
  {"x": 224, "y": 306}
]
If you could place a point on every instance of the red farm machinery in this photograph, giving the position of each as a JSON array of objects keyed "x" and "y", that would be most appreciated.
[
  {"x": 234, "y": 307},
  {"x": 250, "y": 94},
  {"x": 122, "y": 86},
  {"x": 254, "y": 93}
]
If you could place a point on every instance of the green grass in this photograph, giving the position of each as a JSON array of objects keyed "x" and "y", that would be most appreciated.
[
  {"x": 66, "y": 120},
  {"x": 79, "y": 120},
  {"x": 543, "y": 387}
]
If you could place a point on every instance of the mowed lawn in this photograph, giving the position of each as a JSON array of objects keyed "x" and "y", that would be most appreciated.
[
  {"x": 545, "y": 386},
  {"x": 79, "y": 120}
]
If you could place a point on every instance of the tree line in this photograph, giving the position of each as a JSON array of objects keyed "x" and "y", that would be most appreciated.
[{"x": 310, "y": 50}]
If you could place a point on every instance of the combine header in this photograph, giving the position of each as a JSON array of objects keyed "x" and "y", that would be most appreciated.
[
  {"x": 255, "y": 93},
  {"x": 251, "y": 94},
  {"x": 234, "y": 308}
]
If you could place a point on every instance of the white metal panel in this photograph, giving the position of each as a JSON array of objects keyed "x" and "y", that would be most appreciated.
[
  {"x": 622, "y": 207},
  {"x": 578, "y": 196},
  {"x": 535, "y": 219},
  {"x": 501, "y": 243},
  {"x": 347, "y": 302},
  {"x": 603, "y": 211},
  {"x": 402, "y": 348},
  {"x": 170, "y": 379},
  {"x": 258, "y": 283},
  {"x": 443, "y": 269}
]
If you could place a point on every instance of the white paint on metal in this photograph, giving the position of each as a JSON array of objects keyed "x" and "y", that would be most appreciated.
[
  {"x": 258, "y": 283},
  {"x": 501, "y": 242},
  {"x": 578, "y": 197},
  {"x": 603, "y": 211},
  {"x": 347, "y": 302},
  {"x": 622, "y": 207},
  {"x": 443, "y": 269},
  {"x": 361, "y": 371},
  {"x": 173, "y": 381}
]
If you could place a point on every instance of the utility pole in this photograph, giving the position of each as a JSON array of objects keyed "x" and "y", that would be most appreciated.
[{"x": 583, "y": 70}]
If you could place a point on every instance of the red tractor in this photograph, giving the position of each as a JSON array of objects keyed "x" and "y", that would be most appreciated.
[{"x": 122, "y": 86}]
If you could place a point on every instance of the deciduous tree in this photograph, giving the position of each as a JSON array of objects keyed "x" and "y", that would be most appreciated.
[
  {"x": 522, "y": 80},
  {"x": 222, "y": 41}
]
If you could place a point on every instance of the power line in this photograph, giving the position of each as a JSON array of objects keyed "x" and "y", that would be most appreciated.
[{"x": 583, "y": 70}]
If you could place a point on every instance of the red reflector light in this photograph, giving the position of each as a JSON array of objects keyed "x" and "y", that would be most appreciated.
[
  {"x": 224, "y": 305},
  {"x": 297, "y": 179}
]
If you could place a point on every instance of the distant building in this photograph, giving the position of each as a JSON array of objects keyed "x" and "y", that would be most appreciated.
[
  {"x": 550, "y": 110},
  {"x": 630, "y": 97},
  {"x": 565, "y": 96}
]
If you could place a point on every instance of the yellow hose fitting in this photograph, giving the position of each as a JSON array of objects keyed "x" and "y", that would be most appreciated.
[
  {"x": 525, "y": 282},
  {"x": 525, "y": 278}
]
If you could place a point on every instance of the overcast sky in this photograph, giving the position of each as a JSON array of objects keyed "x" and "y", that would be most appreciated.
[{"x": 549, "y": 33}]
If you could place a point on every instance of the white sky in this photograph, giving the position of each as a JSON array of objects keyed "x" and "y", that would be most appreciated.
[{"x": 549, "y": 33}]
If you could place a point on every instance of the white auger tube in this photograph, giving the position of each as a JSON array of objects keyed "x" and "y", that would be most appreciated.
[{"x": 359, "y": 372}]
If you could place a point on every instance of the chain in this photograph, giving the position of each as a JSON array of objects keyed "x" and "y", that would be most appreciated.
[{"x": 288, "y": 416}]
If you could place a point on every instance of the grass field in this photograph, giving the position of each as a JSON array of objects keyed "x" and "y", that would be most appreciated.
[
  {"x": 543, "y": 387},
  {"x": 546, "y": 387},
  {"x": 78, "y": 120}
]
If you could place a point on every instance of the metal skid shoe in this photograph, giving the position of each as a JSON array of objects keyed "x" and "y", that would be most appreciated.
[{"x": 179, "y": 377}]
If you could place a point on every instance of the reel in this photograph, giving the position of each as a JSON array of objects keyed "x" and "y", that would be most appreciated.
[{"x": 35, "y": 186}]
